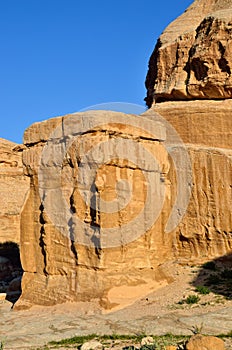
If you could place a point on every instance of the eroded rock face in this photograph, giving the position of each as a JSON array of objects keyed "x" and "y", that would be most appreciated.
[
  {"x": 192, "y": 58},
  {"x": 57, "y": 266},
  {"x": 13, "y": 190},
  {"x": 206, "y": 130}
]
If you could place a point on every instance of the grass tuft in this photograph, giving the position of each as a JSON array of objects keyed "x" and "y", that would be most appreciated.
[
  {"x": 202, "y": 290},
  {"x": 192, "y": 299}
]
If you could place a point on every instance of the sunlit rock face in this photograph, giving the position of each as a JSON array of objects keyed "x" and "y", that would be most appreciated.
[
  {"x": 112, "y": 244},
  {"x": 13, "y": 190},
  {"x": 192, "y": 58},
  {"x": 189, "y": 84},
  {"x": 73, "y": 258},
  {"x": 206, "y": 130}
]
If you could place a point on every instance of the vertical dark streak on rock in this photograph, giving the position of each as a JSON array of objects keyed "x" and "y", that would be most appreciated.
[
  {"x": 42, "y": 244},
  {"x": 71, "y": 229}
]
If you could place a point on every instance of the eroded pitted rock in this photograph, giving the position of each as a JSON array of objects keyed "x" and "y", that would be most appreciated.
[
  {"x": 57, "y": 266},
  {"x": 206, "y": 130},
  {"x": 192, "y": 58}
]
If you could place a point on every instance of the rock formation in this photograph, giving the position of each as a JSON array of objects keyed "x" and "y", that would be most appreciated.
[
  {"x": 13, "y": 190},
  {"x": 192, "y": 58},
  {"x": 60, "y": 265},
  {"x": 198, "y": 342},
  {"x": 191, "y": 61},
  {"x": 112, "y": 196},
  {"x": 206, "y": 130}
]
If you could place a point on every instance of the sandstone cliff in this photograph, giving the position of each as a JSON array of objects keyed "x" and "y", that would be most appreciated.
[
  {"x": 206, "y": 130},
  {"x": 78, "y": 257},
  {"x": 192, "y": 61},
  {"x": 13, "y": 190},
  {"x": 192, "y": 58}
]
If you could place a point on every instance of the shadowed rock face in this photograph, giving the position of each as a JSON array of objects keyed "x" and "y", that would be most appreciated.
[{"x": 192, "y": 58}]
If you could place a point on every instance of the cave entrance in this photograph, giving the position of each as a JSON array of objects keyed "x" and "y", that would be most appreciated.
[{"x": 10, "y": 271}]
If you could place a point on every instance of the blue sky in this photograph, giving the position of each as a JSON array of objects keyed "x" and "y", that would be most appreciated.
[{"x": 61, "y": 56}]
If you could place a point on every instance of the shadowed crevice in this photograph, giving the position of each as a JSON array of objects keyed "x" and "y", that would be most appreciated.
[{"x": 42, "y": 243}]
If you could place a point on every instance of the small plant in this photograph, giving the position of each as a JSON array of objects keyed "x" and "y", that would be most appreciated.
[
  {"x": 210, "y": 265},
  {"x": 192, "y": 299},
  {"x": 1, "y": 345},
  {"x": 197, "y": 329},
  {"x": 202, "y": 290}
]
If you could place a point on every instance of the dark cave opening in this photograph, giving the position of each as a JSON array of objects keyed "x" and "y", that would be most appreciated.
[{"x": 10, "y": 271}]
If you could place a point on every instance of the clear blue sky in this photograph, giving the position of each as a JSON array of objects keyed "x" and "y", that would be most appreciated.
[{"x": 60, "y": 56}]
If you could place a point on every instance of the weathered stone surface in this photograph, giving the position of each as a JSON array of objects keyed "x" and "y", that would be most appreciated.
[
  {"x": 13, "y": 190},
  {"x": 192, "y": 58},
  {"x": 57, "y": 266},
  {"x": 200, "y": 342},
  {"x": 206, "y": 130}
]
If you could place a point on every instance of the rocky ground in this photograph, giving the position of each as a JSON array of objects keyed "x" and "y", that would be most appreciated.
[{"x": 176, "y": 308}]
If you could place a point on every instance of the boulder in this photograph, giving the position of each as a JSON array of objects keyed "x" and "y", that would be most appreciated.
[
  {"x": 92, "y": 345},
  {"x": 105, "y": 254},
  {"x": 147, "y": 341},
  {"x": 200, "y": 342}
]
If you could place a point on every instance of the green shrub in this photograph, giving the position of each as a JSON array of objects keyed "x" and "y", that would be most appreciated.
[
  {"x": 192, "y": 299},
  {"x": 203, "y": 290}
]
